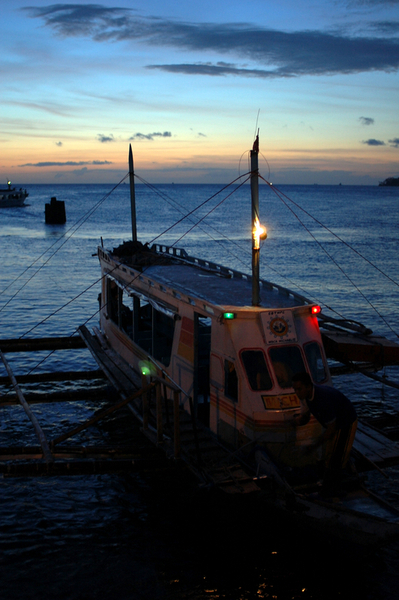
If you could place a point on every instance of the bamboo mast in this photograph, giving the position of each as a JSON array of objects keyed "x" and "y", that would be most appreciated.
[
  {"x": 255, "y": 222},
  {"x": 132, "y": 195}
]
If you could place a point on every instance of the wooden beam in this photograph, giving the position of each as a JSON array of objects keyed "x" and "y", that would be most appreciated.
[
  {"x": 36, "y": 344},
  {"x": 59, "y": 376},
  {"x": 87, "y": 395},
  {"x": 81, "y": 467}
]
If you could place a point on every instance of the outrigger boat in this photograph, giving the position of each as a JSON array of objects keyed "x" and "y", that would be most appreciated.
[
  {"x": 228, "y": 344},
  {"x": 11, "y": 197}
]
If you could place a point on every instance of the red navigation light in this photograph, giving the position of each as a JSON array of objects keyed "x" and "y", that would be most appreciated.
[{"x": 316, "y": 310}]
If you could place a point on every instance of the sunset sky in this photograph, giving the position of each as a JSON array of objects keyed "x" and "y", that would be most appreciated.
[{"x": 188, "y": 83}]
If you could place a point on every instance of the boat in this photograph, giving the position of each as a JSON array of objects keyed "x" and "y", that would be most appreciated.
[
  {"x": 223, "y": 346},
  {"x": 10, "y": 197}
]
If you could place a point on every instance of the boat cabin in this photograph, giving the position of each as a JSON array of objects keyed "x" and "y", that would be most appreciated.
[{"x": 161, "y": 308}]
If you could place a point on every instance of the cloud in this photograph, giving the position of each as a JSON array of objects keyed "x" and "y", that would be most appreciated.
[
  {"x": 373, "y": 142},
  {"x": 366, "y": 120},
  {"x": 394, "y": 143},
  {"x": 80, "y": 172},
  {"x": 105, "y": 138},
  {"x": 278, "y": 53},
  {"x": 217, "y": 70},
  {"x": 385, "y": 27},
  {"x": 149, "y": 136},
  {"x": 377, "y": 3},
  {"x": 68, "y": 163}
]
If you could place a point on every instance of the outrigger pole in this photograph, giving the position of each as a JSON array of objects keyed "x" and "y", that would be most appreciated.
[
  {"x": 132, "y": 195},
  {"x": 255, "y": 222}
]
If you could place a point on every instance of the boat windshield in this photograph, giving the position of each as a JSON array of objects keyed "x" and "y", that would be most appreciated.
[
  {"x": 256, "y": 369},
  {"x": 315, "y": 362},
  {"x": 286, "y": 360}
]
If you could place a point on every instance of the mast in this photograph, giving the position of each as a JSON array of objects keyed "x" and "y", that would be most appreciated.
[
  {"x": 132, "y": 195},
  {"x": 255, "y": 222}
]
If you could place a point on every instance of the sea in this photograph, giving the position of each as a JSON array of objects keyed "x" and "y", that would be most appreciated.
[{"x": 136, "y": 536}]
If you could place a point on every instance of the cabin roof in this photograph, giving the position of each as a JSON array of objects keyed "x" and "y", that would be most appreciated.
[
  {"x": 219, "y": 289},
  {"x": 198, "y": 278}
]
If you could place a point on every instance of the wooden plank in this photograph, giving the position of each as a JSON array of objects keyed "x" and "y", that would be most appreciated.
[
  {"x": 80, "y": 467},
  {"x": 374, "y": 447},
  {"x": 57, "y": 376},
  {"x": 37, "y": 344},
  {"x": 376, "y": 442},
  {"x": 34, "y": 452},
  {"x": 87, "y": 395},
  {"x": 345, "y": 346}
]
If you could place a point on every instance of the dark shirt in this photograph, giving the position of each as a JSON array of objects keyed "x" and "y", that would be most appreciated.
[{"x": 329, "y": 405}]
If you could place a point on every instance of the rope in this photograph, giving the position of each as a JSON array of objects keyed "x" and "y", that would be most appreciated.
[
  {"x": 77, "y": 226},
  {"x": 280, "y": 195}
]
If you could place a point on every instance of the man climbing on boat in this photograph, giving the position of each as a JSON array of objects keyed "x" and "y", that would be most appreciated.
[{"x": 336, "y": 414}]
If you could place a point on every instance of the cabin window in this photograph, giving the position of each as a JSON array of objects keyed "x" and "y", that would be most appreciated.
[
  {"x": 230, "y": 380},
  {"x": 150, "y": 328},
  {"x": 154, "y": 332},
  {"x": 256, "y": 370},
  {"x": 126, "y": 314},
  {"x": 143, "y": 322},
  {"x": 315, "y": 362},
  {"x": 162, "y": 336},
  {"x": 202, "y": 350},
  {"x": 286, "y": 360},
  {"x": 113, "y": 301}
]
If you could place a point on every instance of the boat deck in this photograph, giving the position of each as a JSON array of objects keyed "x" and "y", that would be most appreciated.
[
  {"x": 213, "y": 283},
  {"x": 219, "y": 289}
]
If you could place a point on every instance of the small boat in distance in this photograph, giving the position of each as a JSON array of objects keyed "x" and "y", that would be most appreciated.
[{"x": 11, "y": 197}]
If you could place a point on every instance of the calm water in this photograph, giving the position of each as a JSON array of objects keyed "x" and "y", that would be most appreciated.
[{"x": 133, "y": 537}]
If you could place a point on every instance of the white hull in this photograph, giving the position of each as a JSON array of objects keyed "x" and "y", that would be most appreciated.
[
  {"x": 11, "y": 197},
  {"x": 174, "y": 316}
]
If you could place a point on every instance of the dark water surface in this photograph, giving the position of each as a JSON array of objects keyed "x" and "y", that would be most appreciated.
[{"x": 142, "y": 536}]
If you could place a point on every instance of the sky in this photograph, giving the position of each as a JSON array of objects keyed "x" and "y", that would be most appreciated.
[{"x": 189, "y": 84}]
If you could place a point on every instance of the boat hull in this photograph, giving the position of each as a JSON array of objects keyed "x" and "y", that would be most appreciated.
[{"x": 12, "y": 198}]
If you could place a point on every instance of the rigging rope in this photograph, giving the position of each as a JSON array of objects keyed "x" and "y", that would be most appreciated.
[
  {"x": 77, "y": 226},
  {"x": 280, "y": 195},
  {"x": 100, "y": 279}
]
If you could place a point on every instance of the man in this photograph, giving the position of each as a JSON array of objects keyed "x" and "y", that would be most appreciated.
[{"x": 337, "y": 415}]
